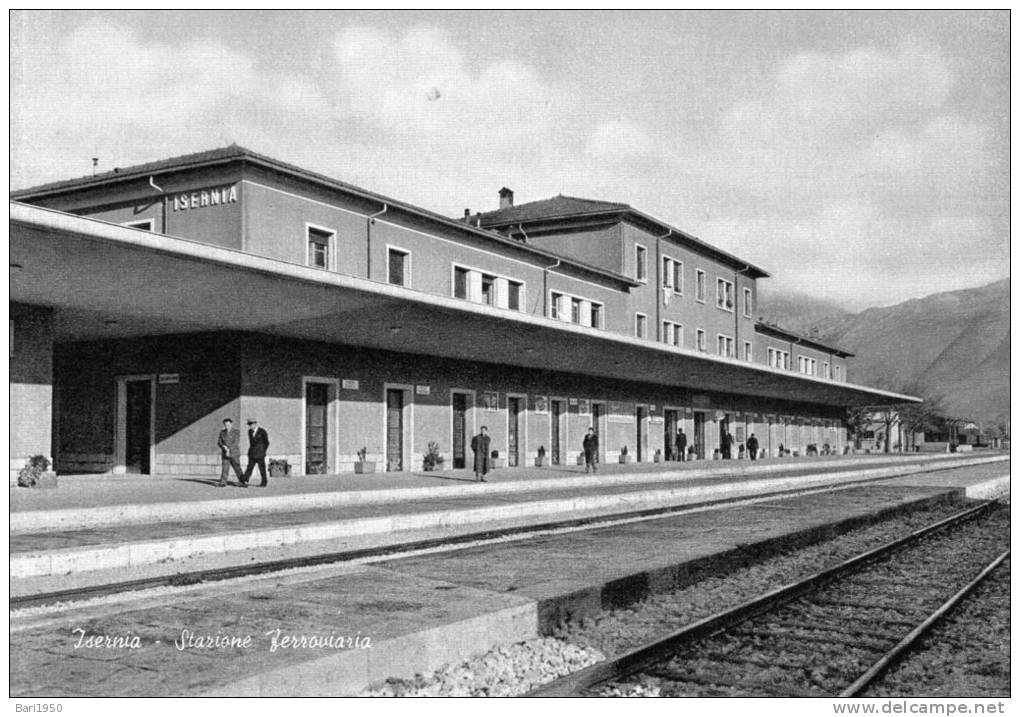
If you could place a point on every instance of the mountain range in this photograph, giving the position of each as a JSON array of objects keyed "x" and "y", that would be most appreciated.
[{"x": 952, "y": 345}]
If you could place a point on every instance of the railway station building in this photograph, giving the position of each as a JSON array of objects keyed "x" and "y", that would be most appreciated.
[{"x": 150, "y": 302}]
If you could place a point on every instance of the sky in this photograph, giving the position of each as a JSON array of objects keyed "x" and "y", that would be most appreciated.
[{"x": 859, "y": 157}]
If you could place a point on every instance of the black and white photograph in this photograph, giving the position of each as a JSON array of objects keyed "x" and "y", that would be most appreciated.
[{"x": 401, "y": 353}]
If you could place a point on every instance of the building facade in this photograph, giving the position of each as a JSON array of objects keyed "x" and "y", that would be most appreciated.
[{"x": 230, "y": 284}]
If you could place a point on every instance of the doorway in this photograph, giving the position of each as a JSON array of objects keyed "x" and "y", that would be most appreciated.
[
  {"x": 672, "y": 420},
  {"x": 556, "y": 441},
  {"x": 699, "y": 434},
  {"x": 135, "y": 439},
  {"x": 394, "y": 429},
  {"x": 642, "y": 438},
  {"x": 138, "y": 427},
  {"x": 513, "y": 431},
  {"x": 598, "y": 422},
  {"x": 725, "y": 445},
  {"x": 316, "y": 428},
  {"x": 460, "y": 408}
]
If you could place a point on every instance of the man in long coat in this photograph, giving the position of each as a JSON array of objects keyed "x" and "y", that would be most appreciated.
[
  {"x": 752, "y": 447},
  {"x": 258, "y": 443},
  {"x": 590, "y": 444},
  {"x": 480, "y": 445}
]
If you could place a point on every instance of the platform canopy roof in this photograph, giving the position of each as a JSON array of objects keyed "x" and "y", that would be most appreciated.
[{"x": 107, "y": 281}]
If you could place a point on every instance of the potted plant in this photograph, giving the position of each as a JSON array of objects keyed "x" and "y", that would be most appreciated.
[
  {"x": 363, "y": 465},
  {"x": 495, "y": 461},
  {"x": 433, "y": 460},
  {"x": 658, "y": 455},
  {"x": 36, "y": 474},
  {"x": 716, "y": 455},
  {"x": 692, "y": 453},
  {"x": 540, "y": 459},
  {"x": 624, "y": 455},
  {"x": 279, "y": 467}
]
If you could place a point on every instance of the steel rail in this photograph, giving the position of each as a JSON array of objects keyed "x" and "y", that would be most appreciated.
[
  {"x": 904, "y": 645},
  {"x": 210, "y": 575},
  {"x": 656, "y": 651}
]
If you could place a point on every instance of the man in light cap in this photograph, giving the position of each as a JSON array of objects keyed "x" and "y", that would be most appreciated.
[{"x": 258, "y": 442}]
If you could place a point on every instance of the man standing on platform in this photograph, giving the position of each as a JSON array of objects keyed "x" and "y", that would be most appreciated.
[
  {"x": 752, "y": 447},
  {"x": 681, "y": 445},
  {"x": 258, "y": 442},
  {"x": 230, "y": 450},
  {"x": 590, "y": 444},
  {"x": 480, "y": 445}
]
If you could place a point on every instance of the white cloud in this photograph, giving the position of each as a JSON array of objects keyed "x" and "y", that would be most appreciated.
[{"x": 619, "y": 140}]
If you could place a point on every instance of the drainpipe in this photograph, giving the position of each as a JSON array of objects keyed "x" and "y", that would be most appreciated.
[
  {"x": 659, "y": 285},
  {"x": 369, "y": 221},
  {"x": 521, "y": 228},
  {"x": 152, "y": 183},
  {"x": 545, "y": 287},
  {"x": 738, "y": 310}
]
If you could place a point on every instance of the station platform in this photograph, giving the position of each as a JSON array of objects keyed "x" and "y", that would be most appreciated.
[
  {"x": 64, "y": 548},
  {"x": 423, "y": 611}
]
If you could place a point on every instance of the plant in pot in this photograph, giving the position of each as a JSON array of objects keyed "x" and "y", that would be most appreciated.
[
  {"x": 495, "y": 461},
  {"x": 624, "y": 455},
  {"x": 433, "y": 460},
  {"x": 658, "y": 455},
  {"x": 363, "y": 465},
  {"x": 540, "y": 459},
  {"x": 36, "y": 474},
  {"x": 279, "y": 467}
]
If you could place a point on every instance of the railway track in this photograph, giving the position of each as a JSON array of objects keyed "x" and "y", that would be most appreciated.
[
  {"x": 195, "y": 577},
  {"x": 830, "y": 634}
]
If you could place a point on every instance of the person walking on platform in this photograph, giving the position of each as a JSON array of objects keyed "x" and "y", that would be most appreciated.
[
  {"x": 681, "y": 445},
  {"x": 230, "y": 450},
  {"x": 590, "y": 444},
  {"x": 752, "y": 447},
  {"x": 258, "y": 442},
  {"x": 480, "y": 445}
]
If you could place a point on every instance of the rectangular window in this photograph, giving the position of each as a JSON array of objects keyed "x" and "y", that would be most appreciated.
[
  {"x": 488, "y": 289},
  {"x": 575, "y": 310},
  {"x": 748, "y": 354},
  {"x": 825, "y": 370},
  {"x": 724, "y": 294},
  {"x": 554, "y": 305},
  {"x": 839, "y": 373},
  {"x": 398, "y": 267},
  {"x": 748, "y": 308},
  {"x": 701, "y": 339},
  {"x": 699, "y": 289},
  {"x": 724, "y": 346},
  {"x": 318, "y": 247},
  {"x": 513, "y": 295},
  {"x": 667, "y": 271},
  {"x": 596, "y": 316},
  {"x": 641, "y": 263},
  {"x": 460, "y": 282},
  {"x": 672, "y": 334},
  {"x": 640, "y": 325},
  {"x": 678, "y": 277}
]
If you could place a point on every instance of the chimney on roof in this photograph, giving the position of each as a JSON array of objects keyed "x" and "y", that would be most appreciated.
[
  {"x": 467, "y": 215},
  {"x": 506, "y": 198}
]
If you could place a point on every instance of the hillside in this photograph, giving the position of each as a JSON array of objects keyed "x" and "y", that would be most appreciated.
[{"x": 954, "y": 345}]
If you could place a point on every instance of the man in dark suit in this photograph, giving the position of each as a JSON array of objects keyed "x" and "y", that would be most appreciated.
[
  {"x": 752, "y": 447},
  {"x": 480, "y": 445},
  {"x": 230, "y": 450},
  {"x": 258, "y": 442},
  {"x": 681, "y": 445}
]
